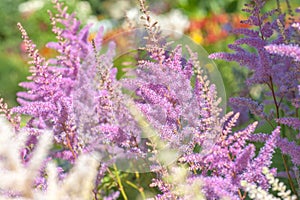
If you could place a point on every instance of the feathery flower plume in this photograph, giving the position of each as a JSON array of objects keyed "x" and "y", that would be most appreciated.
[{"x": 289, "y": 50}]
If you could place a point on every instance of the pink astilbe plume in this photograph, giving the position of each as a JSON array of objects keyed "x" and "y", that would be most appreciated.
[
  {"x": 173, "y": 92},
  {"x": 48, "y": 99},
  {"x": 265, "y": 36},
  {"x": 167, "y": 99},
  {"x": 14, "y": 120},
  {"x": 76, "y": 95},
  {"x": 56, "y": 96},
  {"x": 274, "y": 61},
  {"x": 254, "y": 107},
  {"x": 290, "y": 121},
  {"x": 231, "y": 160},
  {"x": 289, "y": 50},
  {"x": 253, "y": 172},
  {"x": 287, "y": 147}
]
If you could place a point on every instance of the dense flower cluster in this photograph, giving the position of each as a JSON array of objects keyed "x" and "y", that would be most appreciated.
[
  {"x": 164, "y": 112},
  {"x": 259, "y": 193},
  {"x": 273, "y": 58},
  {"x": 74, "y": 95}
]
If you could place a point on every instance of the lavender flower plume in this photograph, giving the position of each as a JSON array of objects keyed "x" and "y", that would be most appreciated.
[
  {"x": 291, "y": 149},
  {"x": 76, "y": 94},
  {"x": 274, "y": 62},
  {"x": 14, "y": 120},
  {"x": 47, "y": 100},
  {"x": 289, "y": 50},
  {"x": 254, "y": 107},
  {"x": 274, "y": 71},
  {"x": 232, "y": 158},
  {"x": 264, "y": 159},
  {"x": 56, "y": 96},
  {"x": 290, "y": 121}
]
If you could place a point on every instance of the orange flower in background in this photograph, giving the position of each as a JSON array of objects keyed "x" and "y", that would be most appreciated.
[
  {"x": 91, "y": 36},
  {"x": 214, "y": 28},
  {"x": 209, "y": 29},
  {"x": 47, "y": 52},
  {"x": 236, "y": 21}
]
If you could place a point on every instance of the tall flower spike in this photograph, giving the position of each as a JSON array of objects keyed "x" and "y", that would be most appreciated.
[
  {"x": 275, "y": 71},
  {"x": 53, "y": 82},
  {"x": 253, "y": 171},
  {"x": 290, "y": 121},
  {"x": 14, "y": 120},
  {"x": 255, "y": 108}
]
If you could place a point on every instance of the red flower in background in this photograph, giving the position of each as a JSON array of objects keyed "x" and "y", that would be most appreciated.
[{"x": 214, "y": 28}]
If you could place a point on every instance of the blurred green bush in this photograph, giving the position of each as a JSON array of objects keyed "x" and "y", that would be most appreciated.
[{"x": 12, "y": 71}]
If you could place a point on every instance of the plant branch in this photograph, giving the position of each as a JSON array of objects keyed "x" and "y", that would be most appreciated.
[{"x": 120, "y": 183}]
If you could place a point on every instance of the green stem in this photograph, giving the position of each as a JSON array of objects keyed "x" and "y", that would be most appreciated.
[
  {"x": 140, "y": 189},
  {"x": 121, "y": 188}
]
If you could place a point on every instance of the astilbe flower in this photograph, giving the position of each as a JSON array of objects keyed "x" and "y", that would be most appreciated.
[
  {"x": 253, "y": 106},
  {"x": 274, "y": 61},
  {"x": 290, "y": 121},
  {"x": 287, "y": 147},
  {"x": 230, "y": 158},
  {"x": 173, "y": 91},
  {"x": 99, "y": 105},
  {"x": 277, "y": 72},
  {"x": 76, "y": 95},
  {"x": 293, "y": 51},
  {"x": 169, "y": 102},
  {"x": 182, "y": 115},
  {"x": 56, "y": 97},
  {"x": 48, "y": 99},
  {"x": 14, "y": 120},
  {"x": 182, "y": 112},
  {"x": 285, "y": 50},
  {"x": 259, "y": 193},
  {"x": 18, "y": 179}
]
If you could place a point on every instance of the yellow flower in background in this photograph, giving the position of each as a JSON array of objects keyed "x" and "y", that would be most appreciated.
[
  {"x": 197, "y": 37},
  {"x": 91, "y": 36}
]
